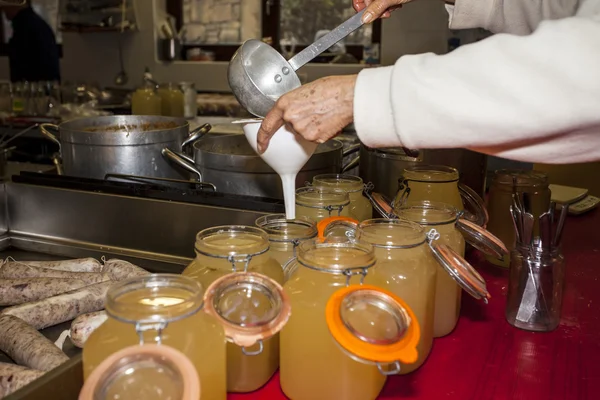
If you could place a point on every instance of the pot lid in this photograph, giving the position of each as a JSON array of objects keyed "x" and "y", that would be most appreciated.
[
  {"x": 481, "y": 239},
  {"x": 373, "y": 325},
  {"x": 459, "y": 269},
  {"x": 250, "y": 306},
  {"x": 143, "y": 371},
  {"x": 474, "y": 205}
]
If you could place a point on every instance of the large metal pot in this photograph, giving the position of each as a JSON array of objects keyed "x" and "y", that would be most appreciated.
[
  {"x": 383, "y": 167},
  {"x": 122, "y": 144},
  {"x": 228, "y": 162}
]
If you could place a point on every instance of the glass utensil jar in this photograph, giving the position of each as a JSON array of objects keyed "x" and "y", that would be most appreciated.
[
  {"x": 333, "y": 344},
  {"x": 220, "y": 251},
  {"x": 535, "y": 289},
  {"x": 161, "y": 309},
  {"x": 360, "y": 207},
  {"x": 533, "y": 185},
  {"x": 285, "y": 235},
  {"x": 317, "y": 204}
]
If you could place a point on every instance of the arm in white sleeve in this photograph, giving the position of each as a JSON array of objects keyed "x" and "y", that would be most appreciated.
[
  {"x": 518, "y": 17},
  {"x": 532, "y": 98}
]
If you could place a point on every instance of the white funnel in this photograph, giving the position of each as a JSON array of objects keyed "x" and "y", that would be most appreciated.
[{"x": 287, "y": 154}]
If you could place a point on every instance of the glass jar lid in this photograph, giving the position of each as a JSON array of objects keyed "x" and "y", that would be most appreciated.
[
  {"x": 151, "y": 302},
  {"x": 347, "y": 183},
  {"x": 382, "y": 205},
  {"x": 348, "y": 258},
  {"x": 236, "y": 243},
  {"x": 459, "y": 269},
  {"x": 430, "y": 174},
  {"x": 150, "y": 372},
  {"x": 373, "y": 325},
  {"x": 251, "y": 307},
  {"x": 481, "y": 239},
  {"x": 281, "y": 229},
  {"x": 314, "y": 197},
  {"x": 474, "y": 205}
]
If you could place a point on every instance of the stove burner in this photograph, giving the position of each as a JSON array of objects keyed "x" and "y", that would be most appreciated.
[{"x": 136, "y": 186}]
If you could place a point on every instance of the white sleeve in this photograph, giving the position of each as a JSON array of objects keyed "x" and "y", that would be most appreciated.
[
  {"x": 518, "y": 17},
  {"x": 532, "y": 98}
]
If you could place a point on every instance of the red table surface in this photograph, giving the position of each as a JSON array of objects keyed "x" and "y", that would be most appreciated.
[{"x": 485, "y": 358}]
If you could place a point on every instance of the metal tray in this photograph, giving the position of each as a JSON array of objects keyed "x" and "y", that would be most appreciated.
[{"x": 47, "y": 223}]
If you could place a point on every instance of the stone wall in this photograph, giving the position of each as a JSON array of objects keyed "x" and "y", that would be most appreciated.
[{"x": 221, "y": 21}]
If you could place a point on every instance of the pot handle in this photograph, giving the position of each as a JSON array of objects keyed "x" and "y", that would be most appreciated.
[
  {"x": 45, "y": 132},
  {"x": 181, "y": 160},
  {"x": 355, "y": 161},
  {"x": 196, "y": 135}
]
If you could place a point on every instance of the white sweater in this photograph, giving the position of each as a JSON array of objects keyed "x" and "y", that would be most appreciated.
[{"x": 530, "y": 94}]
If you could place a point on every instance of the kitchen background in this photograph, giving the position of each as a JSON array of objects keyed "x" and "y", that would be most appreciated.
[{"x": 214, "y": 28}]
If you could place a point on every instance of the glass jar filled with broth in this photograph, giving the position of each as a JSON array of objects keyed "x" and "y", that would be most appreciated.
[
  {"x": 360, "y": 207},
  {"x": 143, "y": 372},
  {"x": 439, "y": 183},
  {"x": 452, "y": 231},
  {"x": 285, "y": 235},
  {"x": 531, "y": 187},
  {"x": 404, "y": 263},
  {"x": 162, "y": 309},
  {"x": 220, "y": 251},
  {"x": 345, "y": 333},
  {"x": 172, "y": 100},
  {"x": 317, "y": 204},
  {"x": 145, "y": 101}
]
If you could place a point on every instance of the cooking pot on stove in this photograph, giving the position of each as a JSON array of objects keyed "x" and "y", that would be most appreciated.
[
  {"x": 228, "y": 162},
  {"x": 131, "y": 145}
]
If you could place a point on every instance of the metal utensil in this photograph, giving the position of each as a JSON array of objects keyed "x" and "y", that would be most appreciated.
[
  {"x": 546, "y": 231},
  {"x": 561, "y": 225},
  {"x": 516, "y": 218},
  {"x": 121, "y": 78},
  {"x": 258, "y": 75}
]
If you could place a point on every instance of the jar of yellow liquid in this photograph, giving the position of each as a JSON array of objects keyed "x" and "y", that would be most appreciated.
[
  {"x": 360, "y": 207},
  {"x": 162, "y": 309},
  {"x": 145, "y": 101},
  {"x": 344, "y": 331},
  {"x": 152, "y": 372},
  {"x": 172, "y": 100},
  {"x": 451, "y": 231},
  {"x": 532, "y": 185},
  {"x": 252, "y": 309},
  {"x": 440, "y": 184},
  {"x": 220, "y": 251},
  {"x": 317, "y": 203},
  {"x": 404, "y": 263},
  {"x": 285, "y": 235}
]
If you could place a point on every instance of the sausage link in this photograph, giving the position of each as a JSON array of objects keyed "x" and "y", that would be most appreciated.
[
  {"x": 64, "y": 307},
  {"x": 75, "y": 265},
  {"x": 19, "y": 291},
  {"x": 83, "y": 326},
  {"x": 26, "y": 346},
  {"x": 18, "y": 270},
  {"x": 119, "y": 270}
]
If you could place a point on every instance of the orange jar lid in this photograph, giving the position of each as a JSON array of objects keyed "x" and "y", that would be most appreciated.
[
  {"x": 324, "y": 223},
  {"x": 373, "y": 325}
]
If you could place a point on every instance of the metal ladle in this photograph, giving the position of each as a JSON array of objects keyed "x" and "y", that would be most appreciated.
[{"x": 258, "y": 75}]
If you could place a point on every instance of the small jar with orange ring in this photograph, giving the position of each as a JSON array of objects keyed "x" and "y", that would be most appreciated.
[{"x": 345, "y": 334}]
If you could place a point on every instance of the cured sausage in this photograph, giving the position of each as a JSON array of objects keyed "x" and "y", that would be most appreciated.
[
  {"x": 64, "y": 307},
  {"x": 10, "y": 382},
  {"x": 119, "y": 270},
  {"x": 19, "y": 291},
  {"x": 18, "y": 270},
  {"x": 83, "y": 326},
  {"x": 26, "y": 346},
  {"x": 75, "y": 265}
]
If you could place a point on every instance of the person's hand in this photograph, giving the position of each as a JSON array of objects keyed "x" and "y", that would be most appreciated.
[
  {"x": 317, "y": 111},
  {"x": 377, "y": 8}
]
